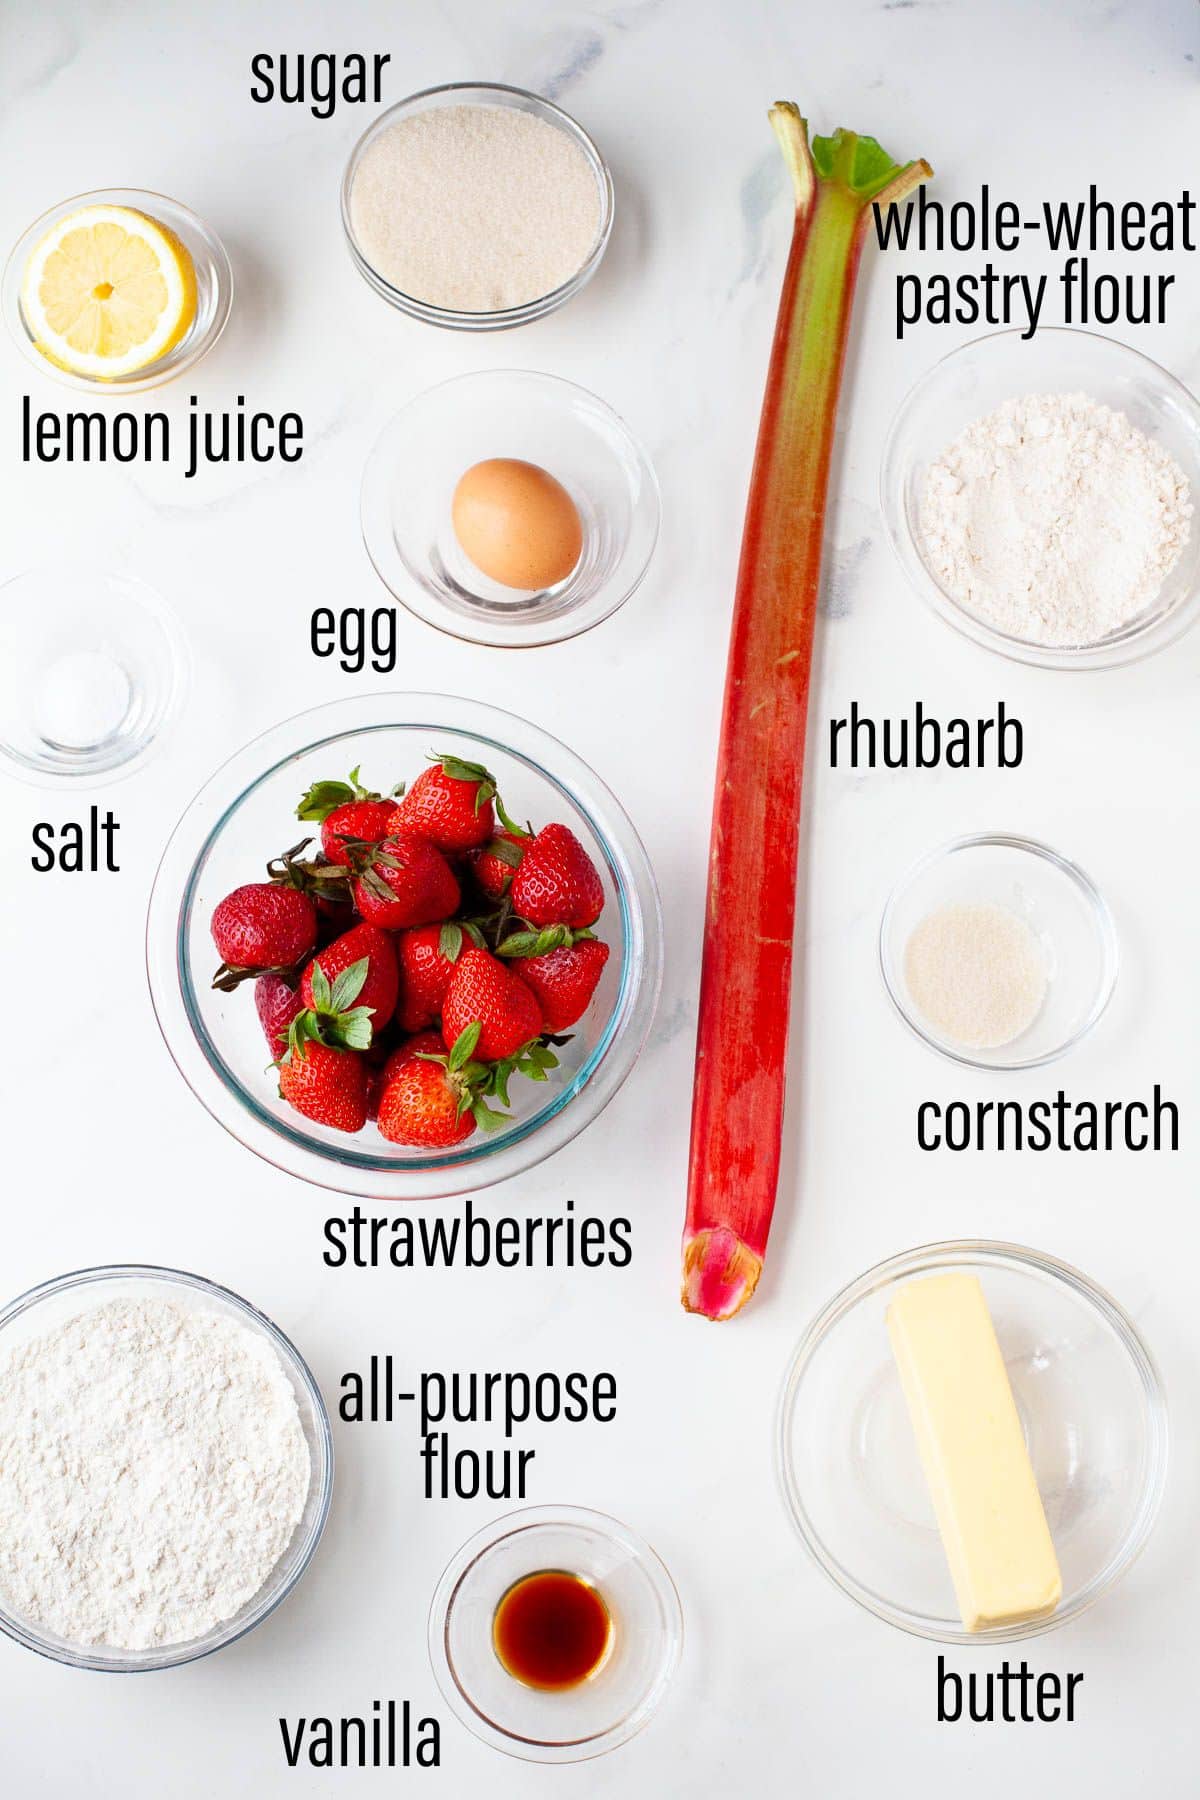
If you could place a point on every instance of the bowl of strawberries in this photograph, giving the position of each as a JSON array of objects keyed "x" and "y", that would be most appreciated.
[{"x": 404, "y": 946}]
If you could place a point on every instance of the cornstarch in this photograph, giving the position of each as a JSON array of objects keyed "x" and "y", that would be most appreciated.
[
  {"x": 153, "y": 1468},
  {"x": 1054, "y": 519}
]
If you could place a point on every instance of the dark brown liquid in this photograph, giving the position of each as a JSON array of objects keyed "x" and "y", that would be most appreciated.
[{"x": 551, "y": 1630}]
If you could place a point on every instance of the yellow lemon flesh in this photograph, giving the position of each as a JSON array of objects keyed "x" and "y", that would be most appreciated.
[{"x": 108, "y": 291}]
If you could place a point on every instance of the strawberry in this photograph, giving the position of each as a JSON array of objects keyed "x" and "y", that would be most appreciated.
[
  {"x": 483, "y": 992},
  {"x": 450, "y": 804},
  {"x": 427, "y": 955},
  {"x": 431, "y": 1099},
  {"x": 346, "y": 812},
  {"x": 557, "y": 882},
  {"x": 562, "y": 969},
  {"x": 405, "y": 881},
  {"x": 277, "y": 1005},
  {"x": 381, "y": 983},
  {"x": 325, "y": 1084},
  {"x": 494, "y": 865},
  {"x": 263, "y": 925}
]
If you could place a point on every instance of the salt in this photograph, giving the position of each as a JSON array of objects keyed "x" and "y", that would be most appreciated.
[{"x": 81, "y": 700}]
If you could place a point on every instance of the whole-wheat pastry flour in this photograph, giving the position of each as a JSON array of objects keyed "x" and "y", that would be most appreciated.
[
  {"x": 1054, "y": 519},
  {"x": 152, "y": 1471}
]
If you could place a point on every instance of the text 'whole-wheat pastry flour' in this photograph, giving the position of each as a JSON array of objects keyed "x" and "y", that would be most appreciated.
[
  {"x": 153, "y": 1468},
  {"x": 1054, "y": 519}
]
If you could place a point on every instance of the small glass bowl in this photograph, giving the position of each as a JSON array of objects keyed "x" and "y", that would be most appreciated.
[
  {"x": 1091, "y": 1405},
  {"x": 93, "y": 668},
  {"x": 1061, "y": 906},
  {"x": 409, "y": 483},
  {"x": 608, "y": 1708},
  {"x": 978, "y": 377},
  {"x": 477, "y": 93},
  {"x": 214, "y": 289},
  {"x": 54, "y": 1303},
  {"x": 240, "y": 819}
]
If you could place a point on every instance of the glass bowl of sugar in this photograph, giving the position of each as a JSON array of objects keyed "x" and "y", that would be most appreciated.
[
  {"x": 998, "y": 952},
  {"x": 93, "y": 668},
  {"x": 476, "y": 206}
]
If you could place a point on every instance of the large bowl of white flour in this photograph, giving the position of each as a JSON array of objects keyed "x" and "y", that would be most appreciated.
[
  {"x": 1041, "y": 494},
  {"x": 166, "y": 1468}
]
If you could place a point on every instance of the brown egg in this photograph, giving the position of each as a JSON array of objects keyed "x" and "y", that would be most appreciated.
[{"x": 517, "y": 523}]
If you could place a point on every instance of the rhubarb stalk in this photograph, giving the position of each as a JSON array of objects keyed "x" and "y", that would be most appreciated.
[{"x": 737, "y": 1110}]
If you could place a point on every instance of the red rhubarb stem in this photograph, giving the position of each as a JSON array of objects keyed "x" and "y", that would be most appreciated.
[{"x": 741, "y": 1053}]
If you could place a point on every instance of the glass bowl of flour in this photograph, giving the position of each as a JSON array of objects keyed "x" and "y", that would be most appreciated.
[
  {"x": 166, "y": 1468},
  {"x": 1040, "y": 497}
]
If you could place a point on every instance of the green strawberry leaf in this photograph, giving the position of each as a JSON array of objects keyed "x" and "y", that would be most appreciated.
[
  {"x": 510, "y": 825},
  {"x": 450, "y": 940},
  {"x": 505, "y": 852},
  {"x": 351, "y": 1030},
  {"x": 486, "y": 1118},
  {"x": 463, "y": 1047},
  {"x": 321, "y": 991},
  {"x": 347, "y": 987},
  {"x": 324, "y": 797}
]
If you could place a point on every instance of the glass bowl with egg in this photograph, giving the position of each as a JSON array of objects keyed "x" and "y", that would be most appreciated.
[
  {"x": 247, "y": 813},
  {"x": 1090, "y": 1408},
  {"x": 476, "y": 206},
  {"x": 510, "y": 508},
  {"x": 998, "y": 952}
]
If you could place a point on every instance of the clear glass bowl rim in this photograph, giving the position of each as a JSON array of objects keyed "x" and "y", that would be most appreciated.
[
  {"x": 168, "y": 367},
  {"x": 1105, "y": 926},
  {"x": 563, "y": 626},
  {"x": 511, "y": 1525},
  {"x": 1144, "y": 637},
  {"x": 484, "y": 1160},
  {"x": 267, "y": 1601},
  {"x": 501, "y": 94},
  {"x": 998, "y": 1253}
]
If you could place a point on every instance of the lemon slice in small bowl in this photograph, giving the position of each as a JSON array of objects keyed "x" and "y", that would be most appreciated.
[{"x": 108, "y": 290}]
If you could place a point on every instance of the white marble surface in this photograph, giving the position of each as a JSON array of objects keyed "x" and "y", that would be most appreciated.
[{"x": 785, "y": 1687}]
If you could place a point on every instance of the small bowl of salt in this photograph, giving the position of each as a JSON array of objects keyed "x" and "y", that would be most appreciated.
[
  {"x": 93, "y": 668},
  {"x": 476, "y": 206},
  {"x": 998, "y": 952}
]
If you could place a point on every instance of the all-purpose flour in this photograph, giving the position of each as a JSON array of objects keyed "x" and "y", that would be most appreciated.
[
  {"x": 152, "y": 1471},
  {"x": 1054, "y": 519}
]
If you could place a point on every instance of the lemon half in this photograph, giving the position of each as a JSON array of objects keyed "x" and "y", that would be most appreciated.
[{"x": 107, "y": 291}]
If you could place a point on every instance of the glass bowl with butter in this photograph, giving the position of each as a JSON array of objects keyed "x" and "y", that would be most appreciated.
[{"x": 897, "y": 1459}]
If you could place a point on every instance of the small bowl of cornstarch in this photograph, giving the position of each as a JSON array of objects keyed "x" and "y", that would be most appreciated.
[{"x": 476, "y": 206}]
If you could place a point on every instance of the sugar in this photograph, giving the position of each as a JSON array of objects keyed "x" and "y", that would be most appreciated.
[
  {"x": 976, "y": 974},
  {"x": 475, "y": 208}
]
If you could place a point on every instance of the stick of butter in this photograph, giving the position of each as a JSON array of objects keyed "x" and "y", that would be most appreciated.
[{"x": 988, "y": 1508}]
